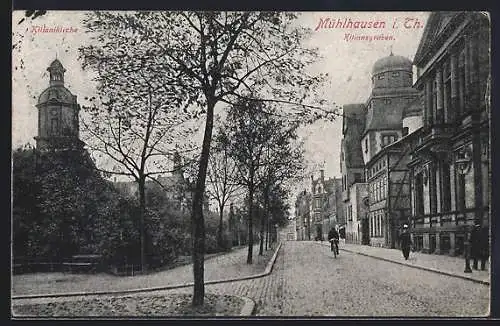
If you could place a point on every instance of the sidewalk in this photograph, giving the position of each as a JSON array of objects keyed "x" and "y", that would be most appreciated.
[
  {"x": 230, "y": 265},
  {"x": 442, "y": 264}
]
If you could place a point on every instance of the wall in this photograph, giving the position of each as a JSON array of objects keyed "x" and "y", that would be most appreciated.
[{"x": 413, "y": 123}]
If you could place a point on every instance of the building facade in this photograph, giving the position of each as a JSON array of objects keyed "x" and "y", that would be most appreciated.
[
  {"x": 326, "y": 210},
  {"x": 384, "y": 153},
  {"x": 303, "y": 215},
  {"x": 320, "y": 209},
  {"x": 332, "y": 207},
  {"x": 357, "y": 214},
  {"x": 353, "y": 174},
  {"x": 450, "y": 166}
]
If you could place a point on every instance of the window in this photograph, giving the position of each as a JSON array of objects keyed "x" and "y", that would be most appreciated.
[
  {"x": 447, "y": 91},
  {"x": 381, "y": 76},
  {"x": 382, "y": 224},
  {"x": 384, "y": 187},
  {"x": 405, "y": 131},
  {"x": 461, "y": 83},
  {"x": 388, "y": 139},
  {"x": 460, "y": 192},
  {"x": 434, "y": 101},
  {"x": 387, "y": 101},
  {"x": 358, "y": 177},
  {"x": 54, "y": 126},
  {"x": 395, "y": 74},
  {"x": 419, "y": 195},
  {"x": 380, "y": 190},
  {"x": 371, "y": 224},
  {"x": 366, "y": 145},
  {"x": 446, "y": 191}
]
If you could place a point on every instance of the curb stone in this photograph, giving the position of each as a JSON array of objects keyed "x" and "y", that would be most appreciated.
[
  {"x": 248, "y": 308},
  {"x": 429, "y": 269},
  {"x": 266, "y": 272}
]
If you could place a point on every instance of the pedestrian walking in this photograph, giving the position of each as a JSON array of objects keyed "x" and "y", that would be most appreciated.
[
  {"x": 405, "y": 241},
  {"x": 333, "y": 237},
  {"x": 479, "y": 246}
]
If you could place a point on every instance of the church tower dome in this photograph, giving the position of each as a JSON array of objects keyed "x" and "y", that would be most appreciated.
[{"x": 58, "y": 110}]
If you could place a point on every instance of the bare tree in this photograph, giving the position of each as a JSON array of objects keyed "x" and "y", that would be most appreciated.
[
  {"x": 282, "y": 162},
  {"x": 222, "y": 172},
  {"x": 217, "y": 57},
  {"x": 261, "y": 145},
  {"x": 134, "y": 120}
]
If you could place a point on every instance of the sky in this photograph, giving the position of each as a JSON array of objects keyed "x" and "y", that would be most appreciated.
[{"x": 348, "y": 55}]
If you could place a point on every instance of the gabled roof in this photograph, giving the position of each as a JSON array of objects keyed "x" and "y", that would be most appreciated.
[{"x": 436, "y": 23}]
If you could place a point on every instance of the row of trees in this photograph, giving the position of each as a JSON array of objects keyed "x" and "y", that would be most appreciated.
[{"x": 158, "y": 71}]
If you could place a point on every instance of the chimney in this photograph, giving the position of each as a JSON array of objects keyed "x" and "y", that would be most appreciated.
[{"x": 322, "y": 174}]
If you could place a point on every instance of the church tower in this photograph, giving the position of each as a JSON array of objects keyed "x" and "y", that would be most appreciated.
[{"x": 58, "y": 125}]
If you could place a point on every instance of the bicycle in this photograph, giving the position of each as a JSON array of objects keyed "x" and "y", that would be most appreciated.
[{"x": 334, "y": 244}]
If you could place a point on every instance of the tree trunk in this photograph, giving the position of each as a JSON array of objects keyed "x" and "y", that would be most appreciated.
[
  {"x": 142, "y": 213},
  {"x": 267, "y": 233},
  {"x": 308, "y": 227},
  {"x": 219, "y": 229},
  {"x": 198, "y": 222},
  {"x": 250, "y": 218},
  {"x": 263, "y": 223}
]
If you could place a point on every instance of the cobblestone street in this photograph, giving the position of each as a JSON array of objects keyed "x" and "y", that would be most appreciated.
[
  {"x": 353, "y": 285},
  {"x": 308, "y": 281}
]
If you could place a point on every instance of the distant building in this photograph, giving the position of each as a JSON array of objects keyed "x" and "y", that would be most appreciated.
[
  {"x": 320, "y": 209},
  {"x": 333, "y": 215},
  {"x": 325, "y": 205},
  {"x": 303, "y": 215},
  {"x": 287, "y": 232},
  {"x": 174, "y": 190},
  {"x": 450, "y": 166}
]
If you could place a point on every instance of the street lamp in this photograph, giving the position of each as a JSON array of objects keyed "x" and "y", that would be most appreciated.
[{"x": 463, "y": 164}]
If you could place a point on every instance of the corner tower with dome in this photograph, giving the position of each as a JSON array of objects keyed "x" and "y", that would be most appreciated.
[
  {"x": 377, "y": 201},
  {"x": 392, "y": 91},
  {"x": 58, "y": 122}
]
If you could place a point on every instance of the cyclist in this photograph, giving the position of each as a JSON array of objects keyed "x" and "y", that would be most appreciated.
[{"x": 333, "y": 237}]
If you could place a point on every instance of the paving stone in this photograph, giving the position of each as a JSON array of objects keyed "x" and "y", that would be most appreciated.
[{"x": 308, "y": 281}]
